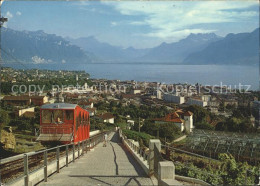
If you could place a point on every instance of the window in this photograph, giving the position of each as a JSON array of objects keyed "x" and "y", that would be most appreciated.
[
  {"x": 80, "y": 118},
  {"x": 69, "y": 114},
  {"x": 77, "y": 122},
  {"x": 47, "y": 116},
  {"x": 58, "y": 116}
]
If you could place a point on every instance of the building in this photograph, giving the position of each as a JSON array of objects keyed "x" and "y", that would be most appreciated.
[
  {"x": 130, "y": 124},
  {"x": 29, "y": 114},
  {"x": 184, "y": 120},
  {"x": 135, "y": 91},
  {"x": 230, "y": 103},
  {"x": 21, "y": 112},
  {"x": 39, "y": 100},
  {"x": 86, "y": 104},
  {"x": 158, "y": 94},
  {"x": 173, "y": 98},
  {"x": 25, "y": 100},
  {"x": 106, "y": 118},
  {"x": 206, "y": 98},
  {"x": 17, "y": 100},
  {"x": 92, "y": 111},
  {"x": 197, "y": 101}
]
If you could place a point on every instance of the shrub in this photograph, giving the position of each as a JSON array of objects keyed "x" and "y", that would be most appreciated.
[{"x": 141, "y": 137}]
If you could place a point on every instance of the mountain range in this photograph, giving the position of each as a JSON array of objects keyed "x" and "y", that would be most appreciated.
[
  {"x": 106, "y": 52},
  {"x": 37, "y": 47},
  {"x": 240, "y": 49},
  {"x": 40, "y": 48}
]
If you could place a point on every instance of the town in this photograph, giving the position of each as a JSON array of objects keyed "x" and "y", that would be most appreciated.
[{"x": 144, "y": 110}]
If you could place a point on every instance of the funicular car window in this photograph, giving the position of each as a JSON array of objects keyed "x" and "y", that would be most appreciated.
[
  {"x": 58, "y": 115},
  {"x": 69, "y": 114},
  {"x": 79, "y": 118},
  {"x": 77, "y": 122},
  {"x": 47, "y": 116},
  {"x": 84, "y": 116}
]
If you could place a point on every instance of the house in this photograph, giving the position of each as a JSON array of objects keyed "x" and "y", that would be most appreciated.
[
  {"x": 29, "y": 114},
  {"x": 136, "y": 91},
  {"x": 230, "y": 102},
  {"x": 39, "y": 100},
  {"x": 130, "y": 124},
  {"x": 25, "y": 100},
  {"x": 86, "y": 104},
  {"x": 23, "y": 111},
  {"x": 106, "y": 118},
  {"x": 17, "y": 100},
  {"x": 92, "y": 111},
  {"x": 184, "y": 120}
]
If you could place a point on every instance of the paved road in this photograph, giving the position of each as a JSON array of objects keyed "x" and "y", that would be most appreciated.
[{"x": 111, "y": 165}]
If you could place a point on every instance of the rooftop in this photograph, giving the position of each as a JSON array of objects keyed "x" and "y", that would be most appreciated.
[{"x": 59, "y": 106}]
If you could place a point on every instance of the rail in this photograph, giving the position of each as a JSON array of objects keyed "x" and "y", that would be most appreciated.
[
  {"x": 173, "y": 149},
  {"x": 22, "y": 166},
  {"x": 140, "y": 151}
]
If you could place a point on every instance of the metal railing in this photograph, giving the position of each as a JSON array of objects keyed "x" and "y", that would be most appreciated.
[
  {"x": 188, "y": 166},
  {"x": 36, "y": 161}
]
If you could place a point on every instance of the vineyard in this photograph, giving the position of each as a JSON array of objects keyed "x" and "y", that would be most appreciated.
[{"x": 243, "y": 147}]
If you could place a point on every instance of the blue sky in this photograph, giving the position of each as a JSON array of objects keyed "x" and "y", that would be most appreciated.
[{"x": 141, "y": 24}]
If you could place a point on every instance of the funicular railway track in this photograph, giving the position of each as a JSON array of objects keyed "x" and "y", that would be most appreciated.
[{"x": 13, "y": 168}]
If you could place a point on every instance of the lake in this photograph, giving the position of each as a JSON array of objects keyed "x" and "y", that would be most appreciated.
[{"x": 202, "y": 74}]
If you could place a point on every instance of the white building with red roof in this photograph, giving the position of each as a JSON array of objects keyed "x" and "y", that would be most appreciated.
[{"x": 184, "y": 120}]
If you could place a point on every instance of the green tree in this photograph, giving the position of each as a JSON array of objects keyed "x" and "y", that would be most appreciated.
[
  {"x": 204, "y": 125},
  {"x": 4, "y": 119}
]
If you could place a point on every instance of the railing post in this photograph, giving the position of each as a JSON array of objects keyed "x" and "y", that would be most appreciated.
[
  {"x": 26, "y": 170},
  {"x": 45, "y": 166},
  {"x": 58, "y": 159},
  {"x": 73, "y": 149},
  {"x": 67, "y": 155},
  {"x": 151, "y": 157},
  {"x": 78, "y": 149},
  {"x": 166, "y": 171},
  {"x": 83, "y": 146}
]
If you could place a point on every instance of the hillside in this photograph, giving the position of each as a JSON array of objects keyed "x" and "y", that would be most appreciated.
[
  {"x": 238, "y": 49},
  {"x": 40, "y": 48},
  {"x": 177, "y": 51}
]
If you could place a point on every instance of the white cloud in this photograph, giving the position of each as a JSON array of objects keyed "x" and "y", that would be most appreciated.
[
  {"x": 38, "y": 60},
  {"x": 113, "y": 23},
  {"x": 9, "y": 15},
  {"x": 18, "y": 13},
  {"x": 169, "y": 19},
  {"x": 63, "y": 61},
  {"x": 176, "y": 35}
]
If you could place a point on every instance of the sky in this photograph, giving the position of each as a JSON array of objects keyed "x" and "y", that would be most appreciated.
[{"x": 140, "y": 24}]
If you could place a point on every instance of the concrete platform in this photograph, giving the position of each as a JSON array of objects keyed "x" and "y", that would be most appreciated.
[{"x": 111, "y": 165}]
